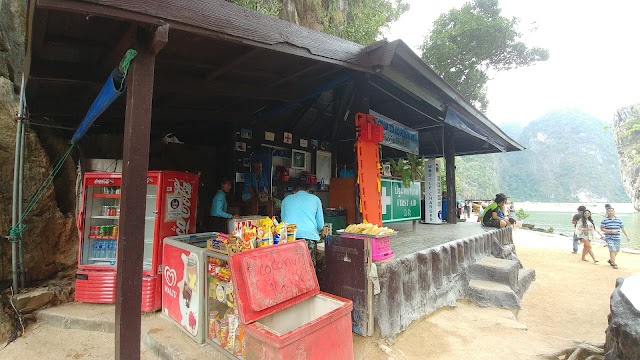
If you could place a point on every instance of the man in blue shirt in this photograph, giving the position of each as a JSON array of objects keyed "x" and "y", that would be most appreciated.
[
  {"x": 256, "y": 191},
  {"x": 304, "y": 210},
  {"x": 218, "y": 212},
  {"x": 611, "y": 227}
]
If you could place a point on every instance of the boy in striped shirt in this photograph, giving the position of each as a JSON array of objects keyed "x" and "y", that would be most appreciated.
[{"x": 611, "y": 227}]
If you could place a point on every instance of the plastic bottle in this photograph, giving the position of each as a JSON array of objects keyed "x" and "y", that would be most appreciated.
[
  {"x": 112, "y": 254},
  {"x": 94, "y": 249}
]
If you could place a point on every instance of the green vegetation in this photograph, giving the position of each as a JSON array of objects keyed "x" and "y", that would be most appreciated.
[
  {"x": 360, "y": 21},
  {"x": 267, "y": 7},
  {"x": 409, "y": 169},
  {"x": 521, "y": 214},
  {"x": 629, "y": 134},
  {"x": 466, "y": 45},
  {"x": 365, "y": 20},
  {"x": 568, "y": 158}
]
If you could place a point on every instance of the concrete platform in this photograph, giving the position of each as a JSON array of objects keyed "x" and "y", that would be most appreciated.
[
  {"x": 430, "y": 270},
  {"x": 159, "y": 335},
  {"x": 427, "y": 236}
]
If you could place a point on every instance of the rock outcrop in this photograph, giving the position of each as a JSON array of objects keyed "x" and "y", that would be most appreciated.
[
  {"x": 628, "y": 151},
  {"x": 50, "y": 239},
  {"x": 623, "y": 333}
]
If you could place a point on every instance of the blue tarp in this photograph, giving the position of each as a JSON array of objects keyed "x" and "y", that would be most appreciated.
[{"x": 113, "y": 87}]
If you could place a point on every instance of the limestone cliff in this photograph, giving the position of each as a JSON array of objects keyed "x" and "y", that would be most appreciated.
[
  {"x": 626, "y": 129},
  {"x": 50, "y": 239}
]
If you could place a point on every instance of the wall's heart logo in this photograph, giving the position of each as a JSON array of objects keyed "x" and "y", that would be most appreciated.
[{"x": 169, "y": 276}]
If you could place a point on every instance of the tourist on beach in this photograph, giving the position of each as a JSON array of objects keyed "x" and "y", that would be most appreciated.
[
  {"x": 490, "y": 216},
  {"x": 512, "y": 210},
  {"x": 585, "y": 229},
  {"x": 577, "y": 216},
  {"x": 611, "y": 227}
]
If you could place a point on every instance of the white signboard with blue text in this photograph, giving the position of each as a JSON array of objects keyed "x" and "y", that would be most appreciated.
[
  {"x": 396, "y": 135},
  {"x": 433, "y": 192}
]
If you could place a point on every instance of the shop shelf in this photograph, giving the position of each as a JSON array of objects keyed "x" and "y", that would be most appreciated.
[
  {"x": 103, "y": 237},
  {"x": 101, "y": 259},
  {"x": 105, "y": 217},
  {"x": 107, "y": 196}
]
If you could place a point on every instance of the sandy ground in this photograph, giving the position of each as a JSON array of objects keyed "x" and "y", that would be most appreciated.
[
  {"x": 44, "y": 342},
  {"x": 568, "y": 301}
]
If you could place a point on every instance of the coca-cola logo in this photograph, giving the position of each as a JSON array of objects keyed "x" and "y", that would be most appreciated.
[
  {"x": 103, "y": 181},
  {"x": 184, "y": 190}
]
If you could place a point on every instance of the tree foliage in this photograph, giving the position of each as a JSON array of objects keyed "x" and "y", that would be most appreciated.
[
  {"x": 365, "y": 20},
  {"x": 267, "y": 7},
  {"x": 360, "y": 21},
  {"x": 568, "y": 158},
  {"x": 466, "y": 45},
  {"x": 629, "y": 134}
]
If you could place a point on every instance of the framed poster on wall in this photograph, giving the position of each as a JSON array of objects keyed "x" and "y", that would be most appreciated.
[
  {"x": 300, "y": 160},
  {"x": 323, "y": 166}
]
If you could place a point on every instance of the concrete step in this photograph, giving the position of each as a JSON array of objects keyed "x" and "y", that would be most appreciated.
[
  {"x": 488, "y": 293},
  {"x": 525, "y": 278},
  {"x": 497, "y": 270},
  {"x": 159, "y": 336}
]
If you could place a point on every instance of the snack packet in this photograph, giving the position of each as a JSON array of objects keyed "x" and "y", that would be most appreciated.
[
  {"x": 291, "y": 232},
  {"x": 280, "y": 235}
]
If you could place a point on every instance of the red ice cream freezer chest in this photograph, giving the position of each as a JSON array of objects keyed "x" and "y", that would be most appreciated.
[{"x": 282, "y": 310}]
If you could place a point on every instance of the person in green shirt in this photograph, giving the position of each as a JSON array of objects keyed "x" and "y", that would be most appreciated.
[{"x": 491, "y": 217}]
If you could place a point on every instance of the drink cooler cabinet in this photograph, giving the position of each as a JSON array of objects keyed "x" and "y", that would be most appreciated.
[
  {"x": 282, "y": 311},
  {"x": 170, "y": 209}
]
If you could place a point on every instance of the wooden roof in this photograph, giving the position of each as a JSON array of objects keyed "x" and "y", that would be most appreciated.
[{"x": 226, "y": 63}]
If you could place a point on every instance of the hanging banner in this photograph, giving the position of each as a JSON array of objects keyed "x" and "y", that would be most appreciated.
[
  {"x": 433, "y": 192},
  {"x": 396, "y": 135},
  {"x": 399, "y": 203}
]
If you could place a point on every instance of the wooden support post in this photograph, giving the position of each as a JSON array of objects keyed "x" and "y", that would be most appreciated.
[
  {"x": 137, "y": 130},
  {"x": 450, "y": 163},
  {"x": 360, "y": 104}
]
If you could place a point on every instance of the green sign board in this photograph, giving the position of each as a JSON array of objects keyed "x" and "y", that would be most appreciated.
[{"x": 400, "y": 203}]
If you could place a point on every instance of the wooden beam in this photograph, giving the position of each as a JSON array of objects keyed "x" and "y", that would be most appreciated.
[
  {"x": 159, "y": 39},
  {"x": 125, "y": 42},
  {"x": 137, "y": 132},
  {"x": 202, "y": 87},
  {"x": 298, "y": 73},
  {"x": 450, "y": 166},
  {"x": 230, "y": 65}
]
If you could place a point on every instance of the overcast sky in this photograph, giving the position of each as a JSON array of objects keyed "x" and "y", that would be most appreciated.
[{"x": 593, "y": 64}]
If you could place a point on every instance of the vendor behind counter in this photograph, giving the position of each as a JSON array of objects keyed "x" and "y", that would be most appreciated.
[{"x": 218, "y": 214}]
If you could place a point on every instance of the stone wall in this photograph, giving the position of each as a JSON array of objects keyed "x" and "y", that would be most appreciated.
[{"x": 420, "y": 283}]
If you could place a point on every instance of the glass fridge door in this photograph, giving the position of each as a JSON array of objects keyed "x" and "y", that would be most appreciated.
[
  {"x": 150, "y": 216},
  {"x": 100, "y": 231}
]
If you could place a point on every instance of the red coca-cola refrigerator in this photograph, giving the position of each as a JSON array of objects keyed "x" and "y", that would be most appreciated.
[{"x": 170, "y": 210}]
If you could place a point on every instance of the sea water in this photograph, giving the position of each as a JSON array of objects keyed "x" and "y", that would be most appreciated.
[{"x": 560, "y": 221}]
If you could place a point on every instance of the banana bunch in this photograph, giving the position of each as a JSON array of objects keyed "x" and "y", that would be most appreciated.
[{"x": 367, "y": 229}]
